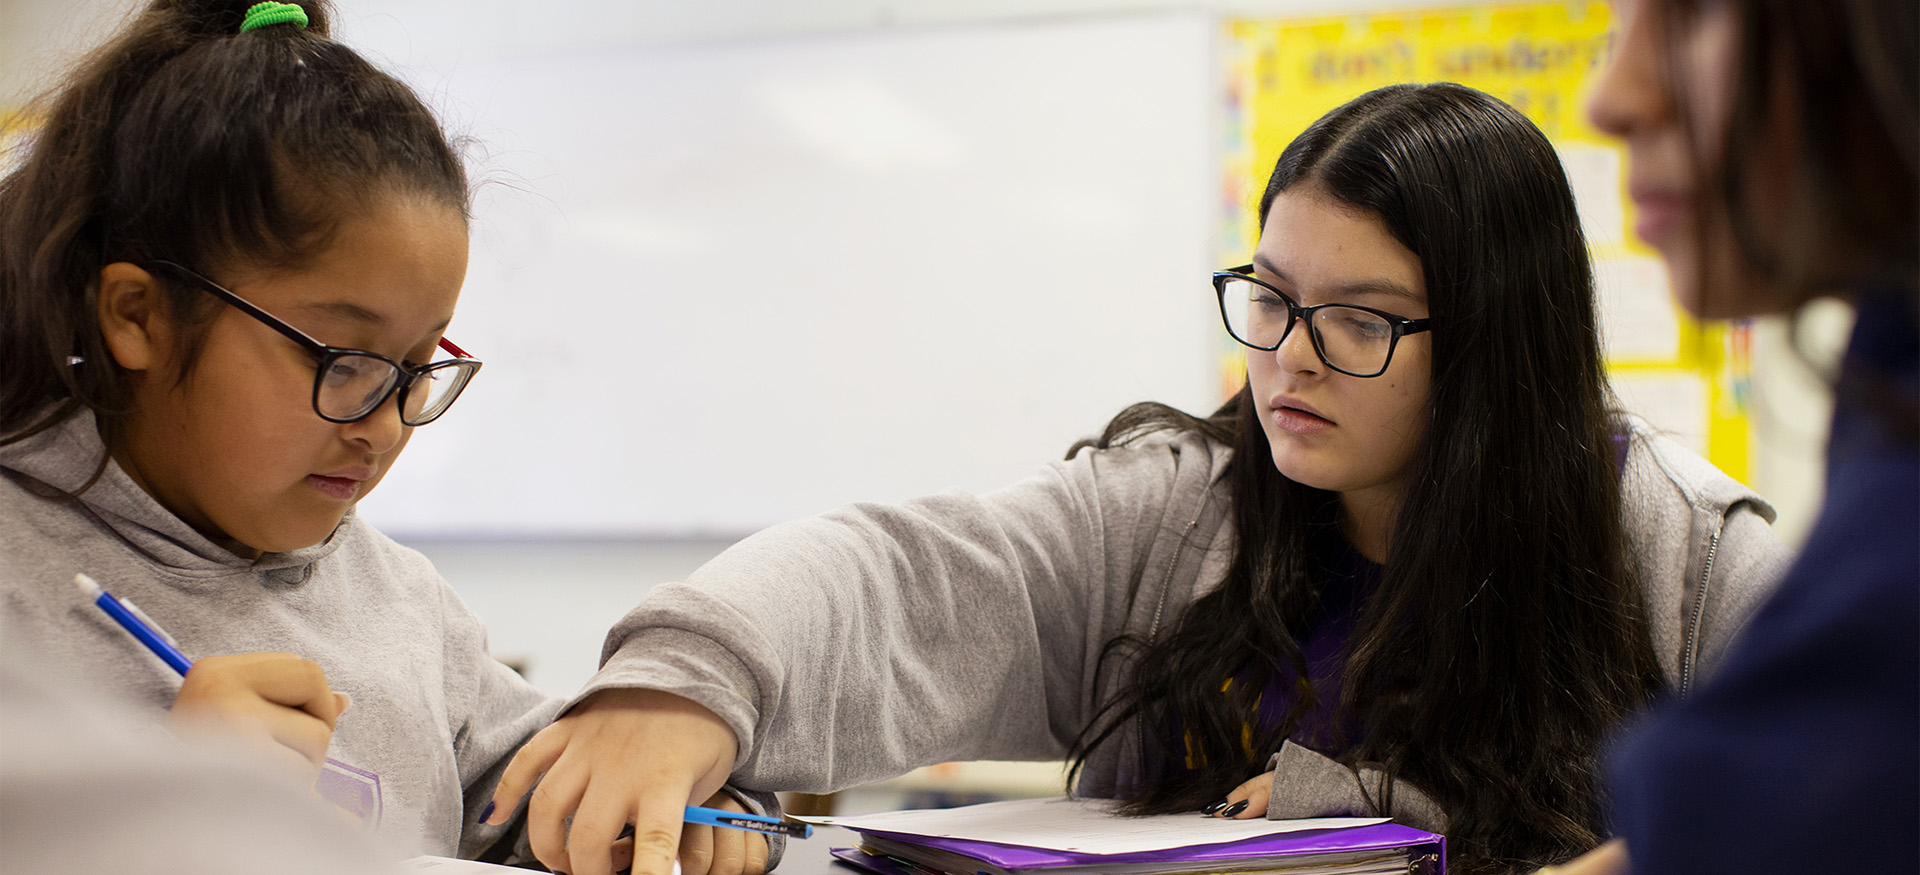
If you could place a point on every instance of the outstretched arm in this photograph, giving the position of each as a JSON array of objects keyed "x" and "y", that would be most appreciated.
[{"x": 856, "y": 646}]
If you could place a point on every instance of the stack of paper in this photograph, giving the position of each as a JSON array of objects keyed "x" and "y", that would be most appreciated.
[{"x": 1072, "y": 836}]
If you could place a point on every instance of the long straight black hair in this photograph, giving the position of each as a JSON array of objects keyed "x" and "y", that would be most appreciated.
[
  {"x": 182, "y": 138},
  {"x": 1508, "y": 633}
]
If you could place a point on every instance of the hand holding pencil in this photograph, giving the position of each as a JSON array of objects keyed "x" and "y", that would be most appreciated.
[
  {"x": 278, "y": 703},
  {"x": 636, "y": 757},
  {"x": 279, "y": 700}
]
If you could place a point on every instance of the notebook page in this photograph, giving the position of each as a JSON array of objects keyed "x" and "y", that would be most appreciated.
[{"x": 1086, "y": 826}]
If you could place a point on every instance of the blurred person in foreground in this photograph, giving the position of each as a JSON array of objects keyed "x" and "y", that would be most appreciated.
[
  {"x": 88, "y": 786},
  {"x": 1772, "y": 146}
]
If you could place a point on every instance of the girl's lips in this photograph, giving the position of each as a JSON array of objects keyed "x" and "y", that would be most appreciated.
[
  {"x": 1659, "y": 215},
  {"x": 1293, "y": 420},
  {"x": 338, "y": 488}
]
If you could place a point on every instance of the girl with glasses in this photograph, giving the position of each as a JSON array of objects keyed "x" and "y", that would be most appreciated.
[
  {"x": 228, "y": 262},
  {"x": 1418, "y": 566},
  {"x": 1772, "y": 158}
]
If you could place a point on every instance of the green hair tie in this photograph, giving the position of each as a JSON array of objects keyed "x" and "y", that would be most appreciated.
[{"x": 261, "y": 15}]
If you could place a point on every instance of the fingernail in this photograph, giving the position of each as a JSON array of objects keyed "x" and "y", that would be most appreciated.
[
  {"x": 486, "y": 812},
  {"x": 1234, "y": 809},
  {"x": 1214, "y": 807},
  {"x": 345, "y": 701}
]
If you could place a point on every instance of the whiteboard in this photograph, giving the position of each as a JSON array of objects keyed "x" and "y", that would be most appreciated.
[{"x": 719, "y": 286}]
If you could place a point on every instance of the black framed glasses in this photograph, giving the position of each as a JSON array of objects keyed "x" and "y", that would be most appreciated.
[
  {"x": 1354, "y": 340},
  {"x": 350, "y": 384}
]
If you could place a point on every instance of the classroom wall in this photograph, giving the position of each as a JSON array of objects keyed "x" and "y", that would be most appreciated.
[
  {"x": 36, "y": 34},
  {"x": 549, "y": 588}
]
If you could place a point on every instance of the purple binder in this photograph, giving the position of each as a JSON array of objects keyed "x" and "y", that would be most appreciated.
[{"x": 1428, "y": 850}]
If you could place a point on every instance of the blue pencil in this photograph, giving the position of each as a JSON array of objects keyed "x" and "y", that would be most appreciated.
[
  {"x": 749, "y": 822},
  {"x": 136, "y": 624}
]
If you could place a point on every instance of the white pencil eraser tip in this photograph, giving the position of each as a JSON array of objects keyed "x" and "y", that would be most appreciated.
[{"x": 87, "y": 585}]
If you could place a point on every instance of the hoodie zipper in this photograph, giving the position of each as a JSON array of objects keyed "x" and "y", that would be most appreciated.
[
  {"x": 1166, "y": 583},
  {"x": 1139, "y": 729},
  {"x": 1690, "y": 651}
]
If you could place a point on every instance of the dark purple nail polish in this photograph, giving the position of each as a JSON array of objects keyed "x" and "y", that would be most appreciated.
[
  {"x": 486, "y": 812},
  {"x": 1234, "y": 809}
]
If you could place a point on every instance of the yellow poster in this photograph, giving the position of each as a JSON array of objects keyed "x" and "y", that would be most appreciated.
[
  {"x": 16, "y": 126},
  {"x": 1688, "y": 379}
]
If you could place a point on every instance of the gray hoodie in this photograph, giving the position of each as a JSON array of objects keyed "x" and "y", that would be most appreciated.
[
  {"x": 869, "y": 641},
  {"x": 434, "y": 716}
]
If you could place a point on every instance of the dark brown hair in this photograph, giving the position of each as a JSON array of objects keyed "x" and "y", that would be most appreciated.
[
  {"x": 1507, "y": 636},
  {"x": 1826, "y": 118},
  {"x": 182, "y": 138},
  {"x": 1832, "y": 88}
]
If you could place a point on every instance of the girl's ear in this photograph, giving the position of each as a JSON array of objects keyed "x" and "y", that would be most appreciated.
[{"x": 133, "y": 316}]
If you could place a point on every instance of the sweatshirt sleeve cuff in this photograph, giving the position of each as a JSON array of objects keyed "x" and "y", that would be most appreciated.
[
  {"x": 688, "y": 665},
  {"x": 1307, "y": 784}
]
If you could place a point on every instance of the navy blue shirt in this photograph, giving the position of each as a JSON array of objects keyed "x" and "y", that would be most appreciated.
[{"x": 1802, "y": 754}]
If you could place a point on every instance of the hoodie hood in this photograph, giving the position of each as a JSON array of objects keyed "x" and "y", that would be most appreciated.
[{"x": 62, "y": 459}]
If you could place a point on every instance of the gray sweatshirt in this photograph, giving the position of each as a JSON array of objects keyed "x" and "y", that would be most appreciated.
[
  {"x": 434, "y": 717},
  {"x": 861, "y": 644}
]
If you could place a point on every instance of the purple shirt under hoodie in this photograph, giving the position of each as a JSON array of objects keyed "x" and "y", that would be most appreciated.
[{"x": 1350, "y": 580}]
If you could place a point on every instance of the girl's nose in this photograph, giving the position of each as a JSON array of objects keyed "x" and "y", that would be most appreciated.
[
  {"x": 381, "y": 430},
  {"x": 1296, "y": 353},
  {"x": 1630, "y": 93}
]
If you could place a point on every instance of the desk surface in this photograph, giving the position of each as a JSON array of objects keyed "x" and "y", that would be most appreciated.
[{"x": 812, "y": 856}]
